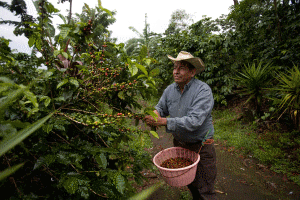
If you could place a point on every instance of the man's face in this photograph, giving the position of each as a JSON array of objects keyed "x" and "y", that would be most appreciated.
[{"x": 181, "y": 73}]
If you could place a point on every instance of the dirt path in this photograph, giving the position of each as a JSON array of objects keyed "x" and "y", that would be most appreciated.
[{"x": 238, "y": 178}]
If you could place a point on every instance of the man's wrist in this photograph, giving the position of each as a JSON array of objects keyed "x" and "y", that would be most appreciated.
[{"x": 163, "y": 122}]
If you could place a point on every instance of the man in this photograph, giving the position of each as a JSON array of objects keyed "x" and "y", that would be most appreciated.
[{"x": 189, "y": 102}]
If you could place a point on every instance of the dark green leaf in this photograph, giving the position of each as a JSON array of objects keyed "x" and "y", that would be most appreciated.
[
  {"x": 31, "y": 41},
  {"x": 154, "y": 72},
  {"x": 74, "y": 82},
  {"x": 71, "y": 185},
  {"x": 120, "y": 183},
  {"x": 31, "y": 97},
  {"x": 121, "y": 95},
  {"x": 101, "y": 160},
  {"x": 142, "y": 68},
  {"x": 62, "y": 83}
]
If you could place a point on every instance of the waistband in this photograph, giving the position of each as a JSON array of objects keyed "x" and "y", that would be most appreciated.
[{"x": 207, "y": 141}]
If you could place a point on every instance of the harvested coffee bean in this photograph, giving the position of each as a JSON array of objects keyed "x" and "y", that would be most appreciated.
[{"x": 174, "y": 163}]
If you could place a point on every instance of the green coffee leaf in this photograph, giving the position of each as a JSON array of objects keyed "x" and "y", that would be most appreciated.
[
  {"x": 31, "y": 97},
  {"x": 142, "y": 68},
  {"x": 74, "y": 82},
  {"x": 64, "y": 32},
  {"x": 120, "y": 183},
  {"x": 56, "y": 53},
  {"x": 65, "y": 54},
  {"x": 38, "y": 43},
  {"x": 147, "y": 61},
  {"x": 31, "y": 41},
  {"x": 154, "y": 72},
  {"x": 154, "y": 133},
  {"x": 62, "y": 83},
  {"x": 47, "y": 101},
  {"x": 121, "y": 95},
  {"x": 141, "y": 76},
  {"x": 101, "y": 160},
  {"x": 133, "y": 69},
  {"x": 84, "y": 192},
  {"x": 71, "y": 185},
  {"x": 152, "y": 113}
]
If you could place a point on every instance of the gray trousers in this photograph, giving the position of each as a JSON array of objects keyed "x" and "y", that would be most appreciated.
[{"x": 203, "y": 186}]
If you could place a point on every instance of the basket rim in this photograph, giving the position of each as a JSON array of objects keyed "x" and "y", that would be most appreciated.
[{"x": 177, "y": 169}]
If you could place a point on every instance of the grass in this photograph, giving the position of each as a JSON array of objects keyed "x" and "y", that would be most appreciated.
[{"x": 279, "y": 151}]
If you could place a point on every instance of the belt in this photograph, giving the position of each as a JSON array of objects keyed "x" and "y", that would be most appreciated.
[{"x": 207, "y": 141}]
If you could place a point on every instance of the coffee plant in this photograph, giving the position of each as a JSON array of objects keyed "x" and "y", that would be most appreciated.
[{"x": 88, "y": 95}]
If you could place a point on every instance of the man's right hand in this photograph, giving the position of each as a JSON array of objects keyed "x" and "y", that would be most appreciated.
[{"x": 158, "y": 122}]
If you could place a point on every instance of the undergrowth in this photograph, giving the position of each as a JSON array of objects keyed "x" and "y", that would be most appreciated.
[{"x": 278, "y": 150}]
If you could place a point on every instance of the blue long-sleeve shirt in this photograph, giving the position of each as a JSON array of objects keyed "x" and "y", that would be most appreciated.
[{"x": 189, "y": 112}]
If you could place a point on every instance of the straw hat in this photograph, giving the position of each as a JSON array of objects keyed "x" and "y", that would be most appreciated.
[{"x": 186, "y": 56}]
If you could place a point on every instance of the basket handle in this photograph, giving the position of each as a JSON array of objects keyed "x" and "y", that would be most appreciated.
[{"x": 177, "y": 175}]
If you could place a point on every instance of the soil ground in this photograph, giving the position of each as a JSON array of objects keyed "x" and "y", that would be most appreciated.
[{"x": 238, "y": 178}]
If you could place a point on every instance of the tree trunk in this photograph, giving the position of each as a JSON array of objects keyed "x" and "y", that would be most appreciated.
[
  {"x": 278, "y": 21},
  {"x": 235, "y": 2},
  {"x": 70, "y": 14}
]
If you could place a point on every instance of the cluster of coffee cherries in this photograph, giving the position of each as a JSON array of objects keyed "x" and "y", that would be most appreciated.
[
  {"x": 87, "y": 29},
  {"x": 106, "y": 119},
  {"x": 117, "y": 87},
  {"x": 107, "y": 72}
]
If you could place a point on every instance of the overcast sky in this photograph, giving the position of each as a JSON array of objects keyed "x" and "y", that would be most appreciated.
[{"x": 129, "y": 13}]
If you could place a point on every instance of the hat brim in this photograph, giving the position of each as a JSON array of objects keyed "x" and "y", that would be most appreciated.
[{"x": 196, "y": 62}]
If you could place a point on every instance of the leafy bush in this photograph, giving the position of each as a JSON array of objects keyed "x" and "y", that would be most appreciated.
[
  {"x": 9, "y": 135},
  {"x": 252, "y": 81},
  {"x": 288, "y": 92},
  {"x": 90, "y": 147}
]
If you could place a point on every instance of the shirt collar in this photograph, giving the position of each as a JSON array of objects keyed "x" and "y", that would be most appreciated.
[{"x": 188, "y": 85}]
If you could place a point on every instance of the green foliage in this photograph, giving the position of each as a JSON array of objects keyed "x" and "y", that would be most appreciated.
[
  {"x": 288, "y": 91},
  {"x": 89, "y": 147},
  {"x": 267, "y": 30},
  {"x": 252, "y": 80},
  {"x": 5, "y": 52},
  {"x": 9, "y": 135}
]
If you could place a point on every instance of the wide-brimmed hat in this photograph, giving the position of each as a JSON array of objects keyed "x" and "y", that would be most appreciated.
[{"x": 186, "y": 56}]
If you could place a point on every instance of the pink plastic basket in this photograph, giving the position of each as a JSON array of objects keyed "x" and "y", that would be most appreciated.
[{"x": 181, "y": 176}]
